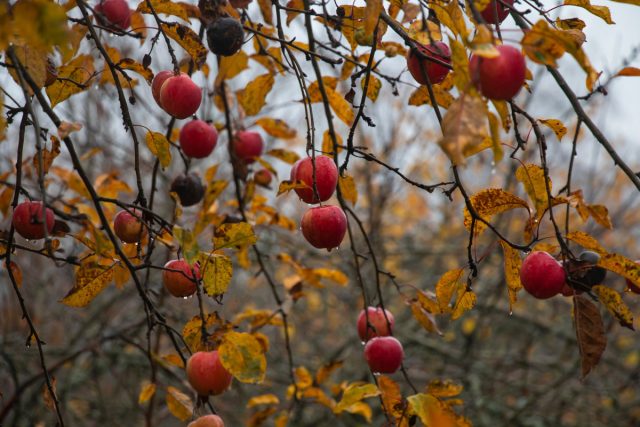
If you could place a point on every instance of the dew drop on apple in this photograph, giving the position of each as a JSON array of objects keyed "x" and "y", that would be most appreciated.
[{"x": 376, "y": 374}]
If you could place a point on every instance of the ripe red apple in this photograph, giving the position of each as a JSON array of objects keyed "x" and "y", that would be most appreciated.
[
  {"x": 180, "y": 96},
  {"x": 324, "y": 226},
  {"x": 27, "y": 220},
  {"x": 489, "y": 14},
  {"x": 198, "y": 139},
  {"x": 435, "y": 72},
  {"x": 128, "y": 227},
  {"x": 541, "y": 275},
  {"x": 158, "y": 81},
  {"x": 262, "y": 177},
  {"x": 632, "y": 286},
  {"x": 207, "y": 421},
  {"x": 501, "y": 77},
  {"x": 178, "y": 278},
  {"x": 384, "y": 354},
  {"x": 326, "y": 178},
  {"x": 247, "y": 145},
  {"x": 206, "y": 373},
  {"x": 116, "y": 12},
  {"x": 379, "y": 326}
]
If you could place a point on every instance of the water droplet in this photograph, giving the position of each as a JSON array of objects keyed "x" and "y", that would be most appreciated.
[
  {"x": 376, "y": 374},
  {"x": 363, "y": 342},
  {"x": 185, "y": 297},
  {"x": 510, "y": 312}
]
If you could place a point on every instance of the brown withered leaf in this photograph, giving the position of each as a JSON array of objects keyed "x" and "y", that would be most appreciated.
[
  {"x": 47, "y": 155},
  {"x": 49, "y": 400},
  {"x": 464, "y": 126},
  {"x": 592, "y": 340},
  {"x": 613, "y": 301}
]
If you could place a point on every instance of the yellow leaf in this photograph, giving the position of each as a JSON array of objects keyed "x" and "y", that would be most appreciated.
[
  {"x": 464, "y": 126},
  {"x": 216, "y": 271},
  {"x": 286, "y": 186},
  {"x": 586, "y": 241},
  {"x": 314, "y": 88},
  {"x": 325, "y": 371},
  {"x": 371, "y": 15},
  {"x": 234, "y": 235},
  {"x": 503, "y": 111},
  {"x": 599, "y": 11},
  {"x": 600, "y": 214},
  {"x": 188, "y": 243},
  {"x": 424, "y": 35},
  {"x": 90, "y": 281},
  {"x": 192, "y": 330},
  {"x": 348, "y": 188},
  {"x": 489, "y": 202},
  {"x": 276, "y": 128},
  {"x": 613, "y": 301},
  {"x": 446, "y": 287},
  {"x": 391, "y": 396},
  {"x": 465, "y": 301},
  {"x": 460, "y": 64},
  {"x": 242, "y": 355},
  {"x": 443, "y": 389},
  {"x": 168, "y": 7},
  {"x": 294, "y": 4},
  {"x": 340, "y": 106},
  {"x": 34, "y": 61},
  {"x": 3, "y": 119},
  {"x": 174, "y": 360},
  {"x": 303, "y": 377},
  {"x": 334, "y": 275},
  {"x": 533, "y": 179},
  {"x": 38, "y": 23},
  {"x": 133, "y": 65},
  {"x": 284, "y": 155},
  {"x": 253, "y": 97},
  {"x": 188, "y": 39},
  {"x": 451, "y": 16},
  {"x": 327, "y": 143},
  {"x": 354, "y": 393},
  {"x": 432, "y": 412},
  {"x": 179, "y": 404},
  {"x": 570, "y": 24},
  {"x": 512, "y": 264},
  {"x": 48, "y": 156},
  {"x": 263, "y": 399},
  {"x": 556, "y": 126},
  {"x": 482, "y": 43},
  {"x": 265, "y": 9},
  {"x": 73, "y": 77},
  {"x": 629, "y": 71},
  {"x": 425, "y": 318},
  {"x": 159, "y": 146},
  {"x": 421, "y": 96},
  {"x": 146, "y": 392},
  {"x": 374, "y": 87},
  {"x": 231, "y": 66}
]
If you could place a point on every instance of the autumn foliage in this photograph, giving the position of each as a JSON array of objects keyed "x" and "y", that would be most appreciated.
[{"x": 295, "y": 213}]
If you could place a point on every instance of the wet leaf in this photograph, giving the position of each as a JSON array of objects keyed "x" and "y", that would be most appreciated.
[
  {"x": 592, "y": 340},
  {"x": 242, "y": 355}
]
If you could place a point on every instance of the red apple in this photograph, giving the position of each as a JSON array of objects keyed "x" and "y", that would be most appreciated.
[
  {"x": 501, "y": 77},
  {"x": 384, "y": 354},
  {"x": 541, "y": 275},
  {"x": 157, "y": 83},
  {"x": 116, "y": 12},
  {"x": 379, "y": 327},
  {"x": 247, "y": 145},
  {"x": 489, "y": 14},
  {"x": 207, "y": 421},
  {"x": 632, "y": 286},
  {"x": 326, "y": 174},
  {"x": 128, "y": 227},
  {"x": 198, "y": 139},
  {"x": 262, "y": 177},
  {"x": 206, "y": 373},
  {"x": 178, "y": 278},
  {"x": 434, "y": 71},
  {"x": 27, "y": 220},
  {"x": 180, "y": 96},
  {"x": 324, "y": 226}
]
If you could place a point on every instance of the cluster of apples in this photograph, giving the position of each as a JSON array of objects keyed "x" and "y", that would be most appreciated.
[
  {"x": 383, "y": 352},
  {"x": 322, "y": 226},
  {"x": 498, "y": 78}
]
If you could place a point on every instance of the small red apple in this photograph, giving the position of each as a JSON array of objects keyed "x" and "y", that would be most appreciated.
[
  {"x": 326, "y": 174},
  {"x": 206, "y": 373},
  {"x": 178, "y": 279},
  {"x": 435, "y": 72},
  {"x": 541, "y": 275},
  {"x": 180, "y": 96},
  {"x": 501, "y": 77},
  {"x": 158, "y": 81},
  {"x": 324, "y": 226},
  {"x": 489, "y": 14},
  {"x": 262, "y": 177},
  {"x": 198, "y": 139},
  {"x": 384, "y": 354},
  {"x": 207, "y": 421},
  {"x": 632, "y": 286},
  {"x": 379, "y": 325},
  {"x": 27, "y": 220},
  {"x": 116, "y": 12},
  {"x": 128, "y": 227},
  {"x": 247, "y": 145}
]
